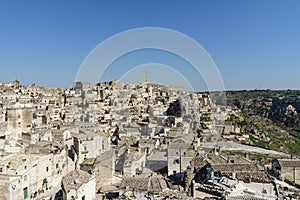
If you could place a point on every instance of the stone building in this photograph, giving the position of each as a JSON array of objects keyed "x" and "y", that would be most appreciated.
[
  {"x": 19, "y": 120},
  {"x": 103, "y": 166},
  {"x": 79, "y": 185},
  {"x": 287, "y": 169},
  {"x": 234, "y": 167},
  {"x": 87, "y": 146},
  {"x": 131, "y": 162},
  {"x": 179, "y": 157},
  {"x": 30, "y": 175}
]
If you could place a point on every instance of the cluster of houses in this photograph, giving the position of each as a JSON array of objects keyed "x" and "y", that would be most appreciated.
[{"x": 116, "y": 140}]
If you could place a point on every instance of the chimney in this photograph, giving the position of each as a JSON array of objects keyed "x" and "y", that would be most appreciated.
[{"x": 233, "y": 175}]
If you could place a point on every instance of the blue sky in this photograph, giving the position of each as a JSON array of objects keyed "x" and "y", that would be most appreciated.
[{"x": 255, "y": 44}]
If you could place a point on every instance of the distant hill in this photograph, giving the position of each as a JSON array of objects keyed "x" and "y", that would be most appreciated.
[{"x": 274, "y": 113}]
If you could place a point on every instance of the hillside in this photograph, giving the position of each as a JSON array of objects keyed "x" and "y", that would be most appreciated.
[{"x": 270, "y": 117}]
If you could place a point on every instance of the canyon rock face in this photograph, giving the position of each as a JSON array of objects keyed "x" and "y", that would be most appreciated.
[{"x": 282, "y": 107}]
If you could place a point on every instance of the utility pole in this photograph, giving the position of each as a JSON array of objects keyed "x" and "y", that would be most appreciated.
[
  {"x": 180, "y": 166},
  {"x": 180, "y": 161}
]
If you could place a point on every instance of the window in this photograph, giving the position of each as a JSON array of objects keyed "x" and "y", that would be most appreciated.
[
  {"x": 83, "y": 197},
  {"x": 56, "y": 165},
  {"x": 177, "y": 161},
  {"x": 25, "y": 191},
  {"x": 47, "y": 169}
]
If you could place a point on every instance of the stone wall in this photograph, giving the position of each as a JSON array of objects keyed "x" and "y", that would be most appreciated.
[{"x": 291, "y": 174}]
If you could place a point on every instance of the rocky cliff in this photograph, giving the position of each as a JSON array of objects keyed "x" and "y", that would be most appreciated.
[{"x": 281, "y": 107}]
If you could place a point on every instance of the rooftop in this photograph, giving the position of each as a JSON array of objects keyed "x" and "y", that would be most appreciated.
[
  {"x": 13, "y": 161},
  {"x": 75, "y": 179},
  {"x": 289, "y": 163},
  {"x": 157, "y": 184}
]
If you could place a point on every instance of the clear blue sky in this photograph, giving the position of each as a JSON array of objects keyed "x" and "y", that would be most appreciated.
[{"x": 254, "y": 43}]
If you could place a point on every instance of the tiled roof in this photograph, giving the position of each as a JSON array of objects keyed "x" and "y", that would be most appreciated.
[
  {"x": 75, "y": 179},
  {"x": 245, "y": 197},
  {"x": 156, "y": 184},
  {"x": 289, "y": 163}
]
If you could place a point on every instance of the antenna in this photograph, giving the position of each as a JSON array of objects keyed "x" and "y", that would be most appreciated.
[{"x": 146, "y": 77}]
